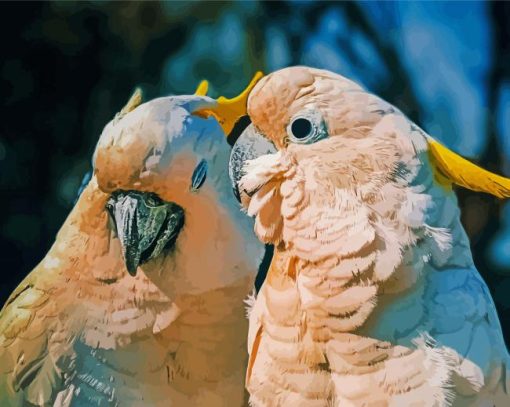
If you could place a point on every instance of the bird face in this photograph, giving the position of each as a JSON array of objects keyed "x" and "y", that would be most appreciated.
[
  {"x": 313, "y": 132},
  {"x": 163, "y": 166},
  {"x": 154, "y": 162}
]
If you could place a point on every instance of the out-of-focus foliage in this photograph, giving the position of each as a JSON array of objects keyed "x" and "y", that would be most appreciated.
[{"x": 68, "y": 67}]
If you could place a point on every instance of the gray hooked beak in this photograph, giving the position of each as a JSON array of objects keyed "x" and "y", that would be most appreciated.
[
  {"x": 248, "y": 146},
  {"x": 145, "y": 225}
]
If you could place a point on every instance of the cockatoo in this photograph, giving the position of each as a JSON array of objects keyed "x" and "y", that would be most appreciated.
[
  {"x": 140, "y": 300},
  {"x": 372, "y": 297}
]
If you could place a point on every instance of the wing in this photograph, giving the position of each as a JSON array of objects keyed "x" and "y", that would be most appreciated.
[
  {"x": 30, "y": 343},
  {"x": 464, "y": 319}
]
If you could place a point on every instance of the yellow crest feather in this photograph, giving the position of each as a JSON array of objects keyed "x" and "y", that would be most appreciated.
[
  {"x": 202, "y": 88},
  {"x": 466, "y": 174},
  {"x": 134, "y": 101},
  {"x": 229, "y": 111}
]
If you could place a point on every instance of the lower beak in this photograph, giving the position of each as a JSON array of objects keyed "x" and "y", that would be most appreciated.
[{"x": 145, "y": 225}]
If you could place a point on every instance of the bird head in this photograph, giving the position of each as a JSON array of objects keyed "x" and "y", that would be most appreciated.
[
  {"x": 321, "y": 152},
  {"x": 313, "y": 127},
  {"x": 162, "y": 167}
]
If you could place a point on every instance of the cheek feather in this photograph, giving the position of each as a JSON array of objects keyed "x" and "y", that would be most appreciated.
[
  {"x": 260, "y": 171},
  {"x": 268, "y": 221},
  {"x": 260, "y": 194},
  {"x": 262, "y": 197}
]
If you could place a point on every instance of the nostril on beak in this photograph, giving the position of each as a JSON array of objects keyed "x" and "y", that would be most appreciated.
[{"x": 145, "y": 225}]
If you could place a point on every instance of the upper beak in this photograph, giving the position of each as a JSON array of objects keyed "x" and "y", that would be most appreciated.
[
  {"x": 145, "y": 225},
  {"x": 250, "y": 145}
]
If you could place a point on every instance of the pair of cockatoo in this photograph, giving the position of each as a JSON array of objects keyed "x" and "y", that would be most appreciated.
[{"x": 371, "y": 298}]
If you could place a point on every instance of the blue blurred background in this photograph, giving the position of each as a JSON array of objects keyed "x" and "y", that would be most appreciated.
[{"x": 68, "y": 67}]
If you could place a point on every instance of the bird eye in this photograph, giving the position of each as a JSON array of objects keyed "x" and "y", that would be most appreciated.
[
  {"x": 301, "y": 128},
  {"x": 308, "y": 127},
  {"x": 199, "y": 175}
]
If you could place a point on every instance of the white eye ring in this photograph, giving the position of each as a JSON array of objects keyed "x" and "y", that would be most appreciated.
[{"x": 306, "y": 128}]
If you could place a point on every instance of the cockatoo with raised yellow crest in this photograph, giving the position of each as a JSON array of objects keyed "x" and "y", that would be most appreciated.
[
  {"x": 140, "y": 300},
  {"x": 372, "y": 297}
]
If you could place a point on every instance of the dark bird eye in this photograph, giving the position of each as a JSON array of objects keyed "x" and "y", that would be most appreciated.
[
  {"x": 301, "y": 128},
  {"x": 199, "y": 175}
]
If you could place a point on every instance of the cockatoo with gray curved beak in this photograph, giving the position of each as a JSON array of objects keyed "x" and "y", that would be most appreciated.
[
  {"x": 140, "y": 300},
  {"x": 372, "y": 297}
]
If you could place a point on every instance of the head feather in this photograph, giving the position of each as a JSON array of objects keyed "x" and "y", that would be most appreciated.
[
  {"x": 464, "y": 173},
  {"x": 134, "y": 101},
  {"x": 202, "y": 88},
  {"x": 229, "y": 111}
]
